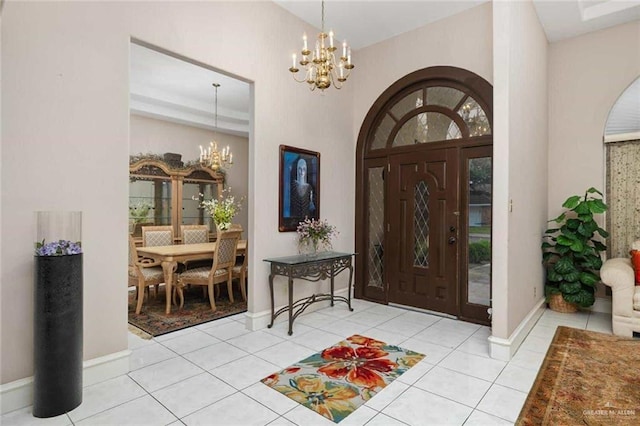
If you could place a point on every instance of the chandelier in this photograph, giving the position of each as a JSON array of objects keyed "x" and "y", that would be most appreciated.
[
  {"x": 321, "y": 68},
  {"x": 211, "y": 157}
]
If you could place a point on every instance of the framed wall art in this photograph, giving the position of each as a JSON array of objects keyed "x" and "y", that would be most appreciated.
[{"x": 299, "y": 187}]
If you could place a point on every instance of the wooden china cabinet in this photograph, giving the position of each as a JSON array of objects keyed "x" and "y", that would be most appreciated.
[{"x": 162, "y": 194}]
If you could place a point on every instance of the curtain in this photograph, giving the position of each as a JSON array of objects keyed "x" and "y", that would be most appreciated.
[{"x": 623, "y": 196}]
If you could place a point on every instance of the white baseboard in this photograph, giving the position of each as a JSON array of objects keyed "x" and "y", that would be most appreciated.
[
  {"x": 504, "y": 349},
  {"x": 259, "y": 320},
  {"x": 19, "y": 393}
]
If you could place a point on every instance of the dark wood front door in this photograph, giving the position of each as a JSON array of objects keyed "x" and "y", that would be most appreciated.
[{"x": 423, "y": 230}]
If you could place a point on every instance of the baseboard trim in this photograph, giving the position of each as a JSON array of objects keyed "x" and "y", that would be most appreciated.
[
  {"x": 19, "y": 393},
  {"x": 504, "y": 349},
  {"x": 259, "y": 320}
]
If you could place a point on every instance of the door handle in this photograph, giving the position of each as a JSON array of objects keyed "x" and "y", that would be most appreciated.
[{"x": 452, "y": 240}]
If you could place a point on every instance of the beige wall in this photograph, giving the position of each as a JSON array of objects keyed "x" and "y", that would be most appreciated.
[
  {"x": 587, "y": 74},
  {"x": 65, "y": 115},
  {"x": 520, "y": 163},
  {"x": 463, "y": 40},
  {"x": 149, "y": 135}
]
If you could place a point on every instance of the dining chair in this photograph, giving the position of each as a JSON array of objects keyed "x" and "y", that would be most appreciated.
[
  {"x": 240, "y": 271},
  {"x": 157, "y": 235},
  {"x": 194, "y": 234},
  {"x": 224, "y": 257},
  {"x": 143, "y": 273}
]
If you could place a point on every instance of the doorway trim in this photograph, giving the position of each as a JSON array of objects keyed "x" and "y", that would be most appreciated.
[{"x": 466, "y": 81}]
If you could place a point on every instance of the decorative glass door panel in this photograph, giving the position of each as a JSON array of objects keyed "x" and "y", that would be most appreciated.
[
  {"x": 421, "y": 226},
  {"x": 375, "y": 230},
  {"x": 477, "y": 195}
]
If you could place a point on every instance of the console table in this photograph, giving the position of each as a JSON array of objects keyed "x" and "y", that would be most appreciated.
[{"x": 309, "y": 268}]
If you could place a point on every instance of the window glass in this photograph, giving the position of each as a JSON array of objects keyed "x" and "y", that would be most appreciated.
[
  {"x": 447, "y": 97},
  {"x": 382, "y": 132},
  {"x": 475, "y": 118},
  {"x": 427, "y": 127}
]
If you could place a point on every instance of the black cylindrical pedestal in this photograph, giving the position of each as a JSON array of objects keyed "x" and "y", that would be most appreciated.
[{"x": 57, "y": 386}]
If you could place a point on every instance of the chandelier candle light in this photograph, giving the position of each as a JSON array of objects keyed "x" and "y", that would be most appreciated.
[
  {"x": 321, "y": 68},
  {"x": 211, "y": 157}
]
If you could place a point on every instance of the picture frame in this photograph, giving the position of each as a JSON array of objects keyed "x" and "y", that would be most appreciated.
[{"x": 299, "y": 187}]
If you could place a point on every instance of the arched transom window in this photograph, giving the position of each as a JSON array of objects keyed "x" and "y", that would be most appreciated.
[{"x": 430, "y": 114}]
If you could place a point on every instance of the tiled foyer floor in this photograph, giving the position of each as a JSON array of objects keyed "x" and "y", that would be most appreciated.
[{"x": 209, "y": 374}]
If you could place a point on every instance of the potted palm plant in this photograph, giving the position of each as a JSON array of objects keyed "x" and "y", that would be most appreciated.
[{"x": 571, "y": 253}]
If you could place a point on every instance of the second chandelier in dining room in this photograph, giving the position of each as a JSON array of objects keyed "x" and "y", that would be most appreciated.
[
  {"x": 320, "y": 66},
  {"x": 211, "y": 157}
]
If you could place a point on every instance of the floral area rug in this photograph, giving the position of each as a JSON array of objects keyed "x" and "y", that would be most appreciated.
[
  {"x": 586, "y": 378},
  {"x": 336, "y": 381},
  {"x": 196, "y": 310}
]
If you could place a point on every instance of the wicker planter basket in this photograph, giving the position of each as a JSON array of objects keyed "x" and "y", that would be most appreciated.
[{"x": 558, "y": 304}]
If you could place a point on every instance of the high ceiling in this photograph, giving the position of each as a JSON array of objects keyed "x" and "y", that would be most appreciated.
[
  {"x": 364, "y": 23},
  {"x": 173, "y": 89}
]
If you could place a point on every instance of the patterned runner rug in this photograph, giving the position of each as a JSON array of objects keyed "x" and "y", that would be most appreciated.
[
  {"x": 336, "y": 381},
  {"x": 587, "y": 378},
  {"x": 196, "y": 310}
]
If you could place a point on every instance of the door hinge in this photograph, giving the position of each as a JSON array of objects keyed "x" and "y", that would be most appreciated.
[{"x": 389, "y": 167}]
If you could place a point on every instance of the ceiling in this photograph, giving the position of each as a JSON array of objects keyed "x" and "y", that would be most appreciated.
[
  {"x": 364, "y": 23},
  {"x": 174, "y": 89}
]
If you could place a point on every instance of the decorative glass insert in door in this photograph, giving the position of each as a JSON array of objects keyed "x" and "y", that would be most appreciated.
[
  {"x": 421, "y": 226},
  {"x": 479, "y": 243},
  {"x": 376, "y": 228}
]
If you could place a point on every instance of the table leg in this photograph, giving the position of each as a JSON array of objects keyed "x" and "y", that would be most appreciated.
[
  {"x": 332, "y": 285},
  {"x": 290, "y": 305},
  {"x": 272, "y": 301},
  {"x": 168, "y": 267},
  {"x": 349, "y": 285}
]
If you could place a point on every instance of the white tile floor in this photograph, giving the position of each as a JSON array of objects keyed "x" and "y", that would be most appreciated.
[{"x": 209, "y": 374}]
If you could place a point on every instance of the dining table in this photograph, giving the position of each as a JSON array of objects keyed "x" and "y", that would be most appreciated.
[{"x": 169, "y": 257}]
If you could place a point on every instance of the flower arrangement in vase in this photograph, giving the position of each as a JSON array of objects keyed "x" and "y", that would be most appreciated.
[
  {"x": 314, "y": 235},
  {"x": 58, "y": 248},
  {"x": 222, "y": 209}
]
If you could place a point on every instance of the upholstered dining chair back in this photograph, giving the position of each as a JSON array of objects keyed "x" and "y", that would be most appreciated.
[
  {"x": 194, "y": 234},
  {"x": 225, "y": 254},
  {"x": 157, "y": 236}
]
